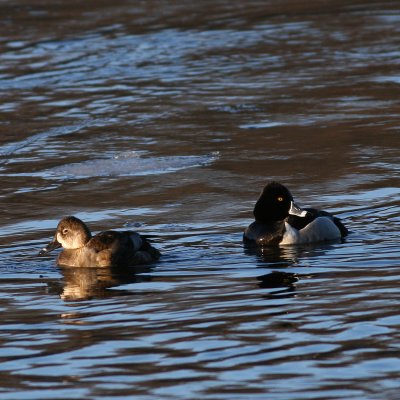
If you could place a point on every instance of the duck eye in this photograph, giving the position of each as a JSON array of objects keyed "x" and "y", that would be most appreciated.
[
  {"x": 65, "y": 231},
  {"x": 280, "y": 198}
]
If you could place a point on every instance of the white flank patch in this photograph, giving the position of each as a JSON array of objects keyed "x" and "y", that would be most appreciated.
[{"x": 321, "y": 229}]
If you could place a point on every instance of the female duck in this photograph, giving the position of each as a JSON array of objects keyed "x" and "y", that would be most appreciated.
[
  {"x": 278, "y": 221},
  {"x": 106, "y": 249}
]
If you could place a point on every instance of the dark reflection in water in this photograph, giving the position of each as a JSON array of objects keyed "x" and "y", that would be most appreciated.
[
  {"x": 286, "y": 256},
  {"x": 274, "y": 255},
  {"x": 278, "y": 279},
  {"x": 282, "y": 258}
]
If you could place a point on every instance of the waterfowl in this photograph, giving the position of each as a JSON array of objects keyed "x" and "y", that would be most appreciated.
[
  {"x": 279, "y": 221},
  {"x": 106, "y": 249}
]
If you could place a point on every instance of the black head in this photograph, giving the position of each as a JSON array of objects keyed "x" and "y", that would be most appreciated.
[{"x": 274, "y": 203}]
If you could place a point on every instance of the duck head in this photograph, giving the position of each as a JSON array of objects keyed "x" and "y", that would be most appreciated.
[
  {"x": 275, "y": 204},
  {"x": 71, "y": 233}
]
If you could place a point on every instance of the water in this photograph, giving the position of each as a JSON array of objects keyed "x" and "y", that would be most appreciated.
[{"x": 169, "y": 118}]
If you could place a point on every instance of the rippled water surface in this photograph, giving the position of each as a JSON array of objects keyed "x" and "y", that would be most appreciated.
[{"x": 168, "y": 118}]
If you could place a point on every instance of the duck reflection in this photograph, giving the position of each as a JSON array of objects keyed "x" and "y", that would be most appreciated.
[
  {"x": 278, "y": 279},
  {"x": 285, "y": 282},
  {"x": 275, "y": 256},
  {"x": 287, "y": 256},
  {"x": 279, "y": 258},
  {"x": 88, "y": 283}
]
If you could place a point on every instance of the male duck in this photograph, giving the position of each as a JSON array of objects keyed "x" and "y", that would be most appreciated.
[
  {"x": 106, "y": 249},
  {"x": 278, "y": 221}
]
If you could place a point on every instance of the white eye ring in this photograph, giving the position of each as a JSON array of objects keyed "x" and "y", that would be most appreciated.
[{"x": 65, "y": 231}]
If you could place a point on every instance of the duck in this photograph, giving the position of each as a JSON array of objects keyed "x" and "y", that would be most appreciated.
[
  {"x": 279, "y": 221},
  {"x": 105, "y": 249}
]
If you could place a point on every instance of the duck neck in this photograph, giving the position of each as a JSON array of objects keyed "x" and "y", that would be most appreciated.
[{"x": 267, "y": 216}]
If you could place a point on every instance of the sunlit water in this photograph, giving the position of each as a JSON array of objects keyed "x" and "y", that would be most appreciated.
[{"x": 169, "y": 119}]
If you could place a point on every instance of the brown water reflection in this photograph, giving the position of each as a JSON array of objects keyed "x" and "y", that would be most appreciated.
[
  {"x": 91, "y": 283},
  {"x": 169, "y": 119}
]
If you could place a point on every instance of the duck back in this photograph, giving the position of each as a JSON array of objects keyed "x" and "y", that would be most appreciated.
[{"x": 312, "y": 214}]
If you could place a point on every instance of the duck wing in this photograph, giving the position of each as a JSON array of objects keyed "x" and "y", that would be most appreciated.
[
  {"x": 104, "y": 240},
  {"x": 312, "y": 214},
  {"x": 125, "y": 248}
]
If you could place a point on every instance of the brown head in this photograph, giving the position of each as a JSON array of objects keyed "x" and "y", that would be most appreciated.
[{"x": 72, "y": 233}]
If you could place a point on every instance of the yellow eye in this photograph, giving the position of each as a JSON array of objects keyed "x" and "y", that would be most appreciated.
[{"x": 280, "y": 198}]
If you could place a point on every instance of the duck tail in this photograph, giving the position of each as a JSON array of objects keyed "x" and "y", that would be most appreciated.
[
  {"x": 146, "y": 246},
  {"x": 343, "y": 230},
  {"x": 136, "y": 240}
]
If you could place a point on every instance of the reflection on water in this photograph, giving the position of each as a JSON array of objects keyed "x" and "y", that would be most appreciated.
[
  {"x": 171, "y": 117},
  {"x": 277, "y": 279},
  {"x": 285, "y": 256},
  {"x": 91, "y": 283}
]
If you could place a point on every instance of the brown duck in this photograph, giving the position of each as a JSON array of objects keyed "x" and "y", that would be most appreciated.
[{"x": 106, "y": 249}]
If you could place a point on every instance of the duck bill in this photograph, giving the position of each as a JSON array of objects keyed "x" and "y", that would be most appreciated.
[
  {"x": 54, "y": 244},
  {"x": 296, "y": 210}
]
